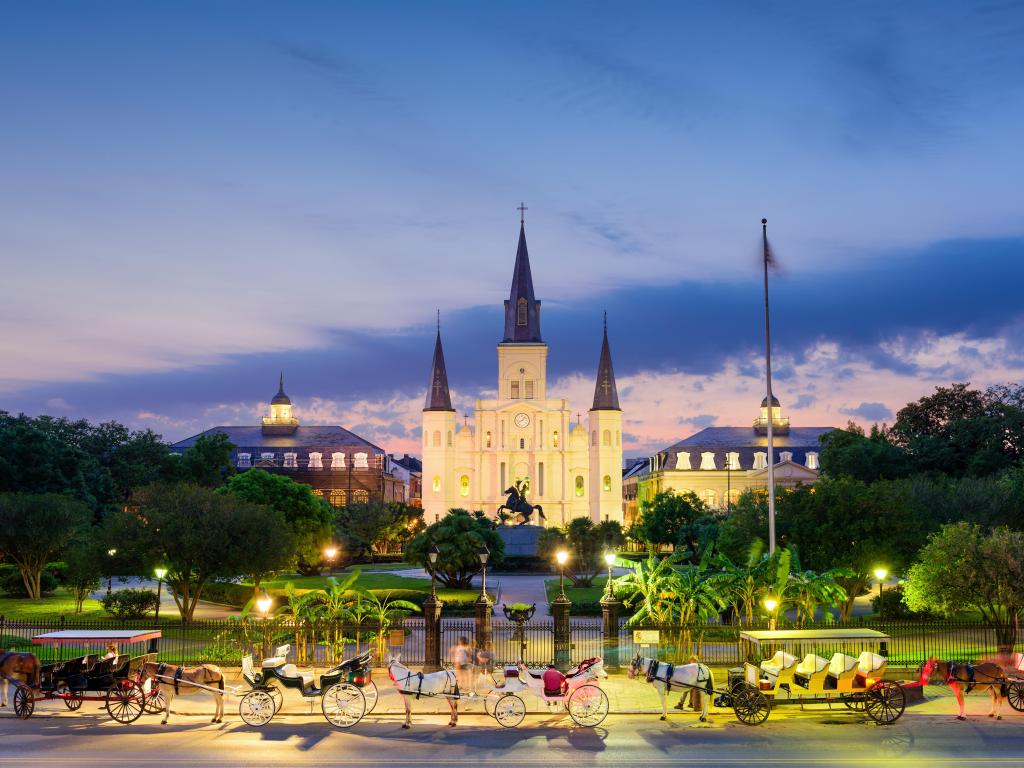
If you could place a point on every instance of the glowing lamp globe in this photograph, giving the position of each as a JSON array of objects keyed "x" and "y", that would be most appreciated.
[
  {"x": 609, "y": 558},
  {"x": 881, "y": 573},
  {"x": 263, "y": 603},
  {"x": 330, "y": 552},
  {"x": 160, "y": 573},
  {"x": 771, "y": 604},
  {"x": 562, "y": 557}
]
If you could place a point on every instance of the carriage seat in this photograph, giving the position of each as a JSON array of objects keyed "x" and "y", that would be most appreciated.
[
  {"x": 811, "y": 668},
  {"x": 273, "y": 662},
  {"x": 779, "y": 663},
  {"x": 870, "y": 664},
  {"x": 290, "y": 670},
  {"x": 1018, "y": 662},
  {"x": 840, "y": 669},
  {"x": 583, "y": 666}
]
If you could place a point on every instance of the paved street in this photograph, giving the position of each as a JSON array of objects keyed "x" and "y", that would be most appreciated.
[{"x": 927, "y": 735}]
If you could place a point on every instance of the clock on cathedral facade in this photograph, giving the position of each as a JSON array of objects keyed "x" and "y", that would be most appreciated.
[{"x": 572, "y": 468}]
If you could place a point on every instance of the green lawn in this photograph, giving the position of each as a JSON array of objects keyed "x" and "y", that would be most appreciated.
[
  {"x": 52, "y": 607},
  {"x": 590, "y": 594},
  {"x": 375, "y": 581}
]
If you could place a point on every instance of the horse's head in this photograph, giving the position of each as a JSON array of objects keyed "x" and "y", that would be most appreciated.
[
  {"x": 634, "y": 666},
  {"x": 391, "y": 662},
  {"x": 926, "y": 670}
]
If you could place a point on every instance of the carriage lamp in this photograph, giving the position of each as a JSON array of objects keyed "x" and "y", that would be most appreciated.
[
  {"x": 432, "y": 554},
  {"x": 263, "y": 603},
  {"x": 562, "y": 557}
]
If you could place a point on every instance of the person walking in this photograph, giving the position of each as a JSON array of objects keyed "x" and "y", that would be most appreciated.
[{"x": 462, "y": 658}]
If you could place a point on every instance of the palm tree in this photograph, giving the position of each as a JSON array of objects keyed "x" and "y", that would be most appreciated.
[
  {"x": 746, "y": 583},
  {"x": 384, "y": 611},
  {"x": 811, "y": 590},
  {"x": 650, "y": 587}
]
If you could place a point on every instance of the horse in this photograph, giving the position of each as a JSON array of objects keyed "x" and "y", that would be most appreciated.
[
  {"x": 409, "y": 683},
  {"x": 186, "y": 681},
  {"x": 18, "y": 668},
  {"x": 663, "y": 676},
  {"x": 964, "y": 678},
  {"x": 520, "y": 508}
]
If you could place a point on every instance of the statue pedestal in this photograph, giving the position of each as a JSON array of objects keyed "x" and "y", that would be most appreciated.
[{"x": 520, "y": 540}]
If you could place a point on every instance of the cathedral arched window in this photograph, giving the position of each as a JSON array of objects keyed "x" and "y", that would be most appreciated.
[
  {"x": 513, "y": 390},
  {"x": 540, "y": 478},
  {"x": 359, "y": 496},
  {"x": 449, "y": 438},
  {"x": 437, "y": 438},
  {"x": 521, "y": 312},
  {"x": 709, "y": 497},
  {"x": 606, "y": 483},
  {"x": 579, "y": 485},
  {"x": 437, "y": 483},
  {"x": 606, "y": 438},
  {"x": 733, "y": 497},
  {"x": 528, "y": 384},
  {"x": 487, "y": 439},
  {"x": 618, "y": 438},
  {"x": 337, "y": 498},
  {"x": 554, "y": 439},
  {"x": 464, "y": 485},
  {"x": 522, "y": 443},
  {"x": 593, "y": 437}
]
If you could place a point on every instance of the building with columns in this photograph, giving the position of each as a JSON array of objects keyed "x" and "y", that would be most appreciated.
[{"x": 572, "y": 469}]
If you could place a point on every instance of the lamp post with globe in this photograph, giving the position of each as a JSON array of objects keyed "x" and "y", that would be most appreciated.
[
  {"x": 560, "y": 607},
  {"x": 432, "y": 617},
  {"x": 482, "y": 607},
  {"x": 610, "y": 617}
]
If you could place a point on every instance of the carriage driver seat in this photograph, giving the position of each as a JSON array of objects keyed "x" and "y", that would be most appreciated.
[
  {"x": 869, "y": 665},
  {"x": 841, "y": 671},
  {"x": 278, "y": 659},
  {"x": 778, "y": 664},
  {"x": 811, "y": 671}
]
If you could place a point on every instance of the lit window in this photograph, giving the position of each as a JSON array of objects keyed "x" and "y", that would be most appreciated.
[
  {"x": 245, "y": 460},
  {"x": 337, "y": 460},
  {"x": 487, "y": 440},
  {"x": 554, "y": 439},
  {"x": 734, "y": 497},
  {"x": 318, "y": 493},
  {"x": 337, "y": 498},
  {"x": 291, "y": 460},
  {"x": 437, "y": 483},
  {"x": 437, "y": 438},
  {"x": 464, "y": 485},
  {"x": 579, "y": 485},
  {"x": 360, "y": 496},
  {"x": 514, "y": 390},
  {"x": 709, "y": 497},
  {"x": 606, "y": 437},
  {"x": 707, "y": 460},
  {"x": 683, "y": 460},
  {"x": 529, "y": 390},
  {"x": 732, "y": 460},
  {"x": 760, "y": 460},
  {"x": 606, "y": 483},
  {"x": 316, "y": 460},
  {"x": 521, "y": 313},
  {"x": 812, "y": 460},
  {"x": 786, "y": 456},
  {"x": 360, "y": 460}
]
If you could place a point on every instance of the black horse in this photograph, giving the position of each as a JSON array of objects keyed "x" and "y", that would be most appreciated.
[{"x": 521, "y": 510}]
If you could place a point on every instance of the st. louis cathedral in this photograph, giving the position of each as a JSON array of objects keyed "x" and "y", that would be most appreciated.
[{"x": 524, "y": 438}]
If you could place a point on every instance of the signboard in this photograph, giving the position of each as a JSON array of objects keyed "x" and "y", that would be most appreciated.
[
  {"x": 646, "y": 637},
  {"x": 396, "y": 637}
]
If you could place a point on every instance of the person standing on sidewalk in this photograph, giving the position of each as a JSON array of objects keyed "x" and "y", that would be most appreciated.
[
  {"x": 462, "y": 658},
  {"x": 693, "y": 693}
]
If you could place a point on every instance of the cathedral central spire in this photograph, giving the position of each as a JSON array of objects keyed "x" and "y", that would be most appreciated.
[
  {"x": 438, "y": 398},
  {"x": 606, "y": 395},
  {"x": 522, "y": 310}
]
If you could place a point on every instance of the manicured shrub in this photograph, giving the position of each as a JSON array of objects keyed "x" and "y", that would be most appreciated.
[{"x": 129, "y": 603}]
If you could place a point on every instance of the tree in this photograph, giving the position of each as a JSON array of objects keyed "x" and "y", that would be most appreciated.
[
  {"x": 963, "y": 568},
  {"x": 366, "y": 529},
  {"x": 746, "y": 523},
  {"x": 458, "y": 536},
  {"x": 35, "y": 529},
  {"x": 83, "y": 565},
  {"x": 867, "y": 458},
  {"x": 206, "y": 463},
  {"x": 586, "y": 544},
  {"x": 674, "y": 519},
  {"x": 308, "y": 518},
  {"x": 196, "y": 534}
]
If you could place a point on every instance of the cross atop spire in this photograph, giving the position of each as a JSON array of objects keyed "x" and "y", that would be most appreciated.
[
  {"x": 522, "y": 310},
  {"x": 522, "y": 213},
  {"x": 606, "y": 395},
  {"x": 438, "y": 397}
]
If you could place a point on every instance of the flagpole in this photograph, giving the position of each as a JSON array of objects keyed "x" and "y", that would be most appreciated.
[{"x": 768, "y": 377}]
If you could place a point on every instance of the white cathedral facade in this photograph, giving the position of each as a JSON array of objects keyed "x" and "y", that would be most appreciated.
[{"x": 572, "y": 469}]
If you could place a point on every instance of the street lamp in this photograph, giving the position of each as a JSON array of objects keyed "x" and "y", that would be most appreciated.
[
  {"x": 771, "y": 604},
  {"x": 609, "y": 558},
  {"x": 432, "y": 554},
  {"x": 160, "y": 573},
  {"x": 484, "y": 554},
  {"x": 110, "y": 576},
  {"x": 263, "y": 603},
  {"x": 330, "y": 553},
  {"x": 880, "y": 574},
  {"x": 562, "y": 557}
]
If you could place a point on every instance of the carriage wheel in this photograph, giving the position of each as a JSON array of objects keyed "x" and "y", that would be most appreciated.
[
  {"x": 126, "y": 702},
  {"x": 1015, "y": 695},
  {"x": 73, "y": 700},
  {"x": 751, "y": 706},
  {"x": 24, "y": 702},
  {"x": 510, "y": 710},
  {"x": 370, "y": 693},
  {"x": 885, "y": 702},
  {"x": 155, "y": 703},
  {"x": 343, "y": 705},
  {"x": 588, "y": 706},
  {"x": 278, "y": 696},
  {"x": 256, "y": 708},
  {"x": 855, "y": 702}
]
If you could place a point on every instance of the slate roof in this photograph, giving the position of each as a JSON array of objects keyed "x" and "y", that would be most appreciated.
[
  {"x": 281, "y": 398},
  {"x": 745, "y": 442},
  {"x": 408, "y": 462},
  {"x": 303, "y": 438},
  {"x": 438, "y": 397},
  {"x": 606, "y": 396},
  {"x": 522, "y": 288}
]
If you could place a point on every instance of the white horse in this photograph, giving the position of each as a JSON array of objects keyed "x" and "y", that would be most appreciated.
[
  {"x": 409, "y": 683},
  {"x": 186, "y": 681},
  {"x": 686, "y": 677}
]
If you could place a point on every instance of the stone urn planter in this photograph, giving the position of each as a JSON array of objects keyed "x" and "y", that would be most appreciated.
[{"x": 519, "y": 614}]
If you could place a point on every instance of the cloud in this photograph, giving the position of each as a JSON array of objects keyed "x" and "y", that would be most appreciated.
[
  {"x": 869, "y": 412},
  {"x": 804, "y": 401},
  {"x": 702, "y": 421}
]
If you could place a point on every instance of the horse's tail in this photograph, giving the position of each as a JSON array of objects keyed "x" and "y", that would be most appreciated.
[
  {"x": 710, "y": 687},
  {"x": 36, "y": 672},
  {"x": 540, "y": 511}
]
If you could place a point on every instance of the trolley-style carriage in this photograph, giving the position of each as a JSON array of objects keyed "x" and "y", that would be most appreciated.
[
  {"x": 113, "y": 681},
  {"x": 347, "y": 692},
  {"x": 804, "y": 677}
]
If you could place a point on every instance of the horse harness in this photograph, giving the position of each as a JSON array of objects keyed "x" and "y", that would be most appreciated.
[
  {"x": 953, "y": 676},
  {"x": 162, "y": 667},
  {"x": 419, "y": 685},
  {"x": 652, "y": 675}
]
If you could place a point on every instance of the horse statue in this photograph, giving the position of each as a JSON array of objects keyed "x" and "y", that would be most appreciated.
[
  {"x": 23, "y": 668},
  {"x": 516, "y": 504},
  {"x": 964, "y": 678}
]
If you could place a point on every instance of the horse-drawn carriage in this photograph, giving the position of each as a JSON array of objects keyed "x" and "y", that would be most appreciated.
[
  {"x": 581, "y": 696},
  {"x": 346, "y": 691},
  {"x": 113, "y": 680},
  {"x": 805, "y": 677}
]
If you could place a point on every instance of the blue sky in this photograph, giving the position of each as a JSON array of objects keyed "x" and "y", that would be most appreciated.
[{"x": 196, "y": 195}]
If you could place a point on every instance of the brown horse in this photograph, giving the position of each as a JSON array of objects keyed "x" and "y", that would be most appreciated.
[
  {"x": 964, "y": 678},
  {"x": 18, "y": 668},
  {"x": 186, "y": 681}
]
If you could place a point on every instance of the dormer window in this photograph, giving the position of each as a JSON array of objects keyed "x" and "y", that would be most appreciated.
[
  {"x": 521, "y": 312},
  {"x": 360, "y": 461},
  {"x": 812, "y": 460},
  {"x": 316, "y": 460},
  {"x": 732, "y": 461},
  {"x": 244, "y": 460},
  {"x": 683, "y": 460},
  {"x": 291, "y": 460},
  {"x": 760, "y": 460},
  {"x": 267, "y": 457},
  {"x": 786, "y": 456},
  {"x": 337, "y": 460},
  {"x": 707, "y": 460}
]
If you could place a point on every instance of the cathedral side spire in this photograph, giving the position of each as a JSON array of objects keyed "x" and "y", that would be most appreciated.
[
  {"x": 438, "y": 398},
  {"x": 522, "y": 310},
  {"x": 606, "y": 396}
]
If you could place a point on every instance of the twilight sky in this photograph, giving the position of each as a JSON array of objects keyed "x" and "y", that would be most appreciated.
[{"x": 196, "y": 195}]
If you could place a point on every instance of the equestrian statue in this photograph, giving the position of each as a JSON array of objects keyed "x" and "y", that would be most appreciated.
[{"x": 516, "y": 506}]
